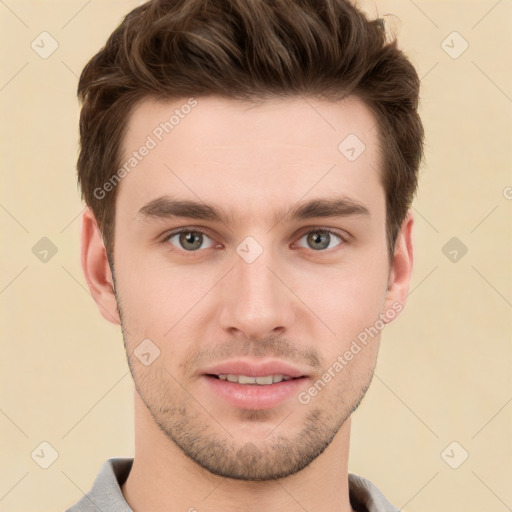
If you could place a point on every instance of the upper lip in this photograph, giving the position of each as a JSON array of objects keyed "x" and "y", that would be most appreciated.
[{"x": 254, "y": 368}]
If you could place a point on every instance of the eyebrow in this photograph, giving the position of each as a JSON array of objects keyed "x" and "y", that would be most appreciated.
[{"x": 165, "y": 207}]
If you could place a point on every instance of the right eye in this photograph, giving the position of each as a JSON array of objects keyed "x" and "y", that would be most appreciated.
[{"x": 189, "y": 240}]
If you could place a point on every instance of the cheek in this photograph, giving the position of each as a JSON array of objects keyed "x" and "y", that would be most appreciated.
[
  {"x": 348, "y": 299},
  {"x": 153, "y": 288},
  {"x": 165, "y": 302}
]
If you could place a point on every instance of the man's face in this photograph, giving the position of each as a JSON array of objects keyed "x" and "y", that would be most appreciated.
[{"x": 259, "y": 292}]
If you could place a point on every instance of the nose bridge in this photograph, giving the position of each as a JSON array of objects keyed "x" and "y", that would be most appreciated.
[
  {"x": 256, "y": 301},
  {"x": 255, "y": 279}
]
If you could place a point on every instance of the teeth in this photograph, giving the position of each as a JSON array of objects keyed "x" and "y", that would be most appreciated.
[
  {"x": 243, "y": 379},
  {"x": 268, "y": 379},
  {"x": 262, "y": 381}
]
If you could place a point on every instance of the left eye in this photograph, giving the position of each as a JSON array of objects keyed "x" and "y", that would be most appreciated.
[
  {"x": 321, "y": 239},
  {"x": 189, "y": 240}
]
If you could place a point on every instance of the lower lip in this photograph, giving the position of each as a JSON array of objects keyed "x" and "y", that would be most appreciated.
[{"x": 255, "y": 396}]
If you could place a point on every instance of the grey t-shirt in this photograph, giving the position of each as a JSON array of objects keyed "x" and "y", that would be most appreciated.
[{"x": 106, "y": 495}]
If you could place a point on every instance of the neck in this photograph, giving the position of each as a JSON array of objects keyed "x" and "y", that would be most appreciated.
[{"x": 162, "y": 479}]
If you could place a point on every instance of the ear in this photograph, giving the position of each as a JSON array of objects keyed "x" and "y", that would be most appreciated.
[
  {"x": 96, "y": 269},
  {"x": 401, "y": 269}
]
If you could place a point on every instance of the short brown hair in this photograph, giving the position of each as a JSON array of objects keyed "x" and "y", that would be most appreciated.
[{"x": 249, "y": 50}]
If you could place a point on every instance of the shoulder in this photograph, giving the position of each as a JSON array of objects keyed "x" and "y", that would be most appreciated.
[
  {"x": 366, "y": 497},
  {"x": 106, "y": 494}
]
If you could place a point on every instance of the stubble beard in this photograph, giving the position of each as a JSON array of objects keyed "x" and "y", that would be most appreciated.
[
  {"x": 204, "y": 440},
  {"x": 207, "y": 442}
]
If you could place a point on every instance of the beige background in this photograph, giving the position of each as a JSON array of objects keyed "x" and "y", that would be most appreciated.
[{"x": 444, "y": 372}]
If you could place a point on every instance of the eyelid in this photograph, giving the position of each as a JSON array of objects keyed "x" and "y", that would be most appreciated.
[
  {"x": 310, "y": 229},
  {"x": 343, "y": 236},
  {"x": 186, "y": 229}
]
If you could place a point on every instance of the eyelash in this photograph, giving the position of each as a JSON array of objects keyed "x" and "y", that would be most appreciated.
[{"x": 167, "y": 237}]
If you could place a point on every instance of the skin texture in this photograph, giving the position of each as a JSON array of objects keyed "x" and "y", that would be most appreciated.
[{"x": 293, "y": 303}]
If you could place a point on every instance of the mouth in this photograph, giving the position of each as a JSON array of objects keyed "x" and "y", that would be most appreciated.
[
  {"x": 254, "y": 385},
  {"x": 263, "y": 380}
]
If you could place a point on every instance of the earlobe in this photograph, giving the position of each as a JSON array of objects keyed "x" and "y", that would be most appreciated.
[
  {"x": 401, "y": 268},
  {"x": 96, "y": 268}
]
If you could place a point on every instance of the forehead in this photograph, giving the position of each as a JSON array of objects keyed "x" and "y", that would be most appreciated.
[{"x": 250, "y": 155}]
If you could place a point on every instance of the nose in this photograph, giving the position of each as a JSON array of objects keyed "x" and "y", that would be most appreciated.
[{"x": 256, "y": 300}]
